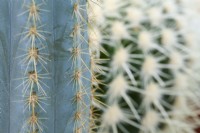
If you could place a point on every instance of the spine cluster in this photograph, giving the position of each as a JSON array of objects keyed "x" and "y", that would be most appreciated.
[
  {"x": 34, "y": 61},
  {"x": 80, "y": 67},
  {"x": 95, "y": 20}
]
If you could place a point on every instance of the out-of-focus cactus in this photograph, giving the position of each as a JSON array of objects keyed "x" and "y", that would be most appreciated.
[{"x": 150, "y": 81}]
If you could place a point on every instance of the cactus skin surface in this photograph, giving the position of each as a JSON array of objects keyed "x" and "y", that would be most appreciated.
[{"x": 4, "y": 65}]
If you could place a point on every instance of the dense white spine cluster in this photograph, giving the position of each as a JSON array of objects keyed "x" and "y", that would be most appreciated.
[{"x": 153, "y": 53}]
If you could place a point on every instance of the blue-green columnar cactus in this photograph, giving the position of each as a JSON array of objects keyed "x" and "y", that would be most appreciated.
[
  {"x": 149, "y": 76},
  {"x": 45, "y": 66}
]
